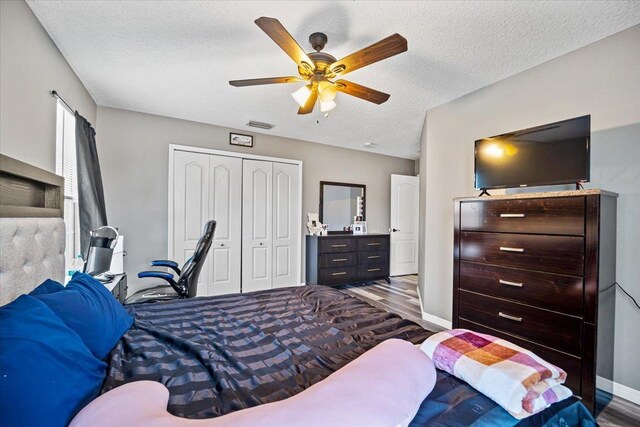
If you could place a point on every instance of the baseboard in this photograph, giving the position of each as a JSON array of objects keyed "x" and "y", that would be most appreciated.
[
  {"x": 431, "y": 318},
  {"x": 619, "y": 390}
]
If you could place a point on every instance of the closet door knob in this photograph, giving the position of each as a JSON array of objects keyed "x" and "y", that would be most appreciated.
[{"x": 260, "y": 243}]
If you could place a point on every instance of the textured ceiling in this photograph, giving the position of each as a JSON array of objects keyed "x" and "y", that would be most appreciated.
[{"x": 175, "y": 58}]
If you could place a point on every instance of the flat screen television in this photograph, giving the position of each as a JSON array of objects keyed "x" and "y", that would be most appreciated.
[{"x": 555, "y": 153}]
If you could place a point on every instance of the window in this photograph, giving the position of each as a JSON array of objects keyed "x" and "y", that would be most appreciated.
[{"x": 66, "y": 166}]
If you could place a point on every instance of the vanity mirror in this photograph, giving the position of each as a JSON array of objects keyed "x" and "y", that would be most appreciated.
[{"x": 340, "y": 203}]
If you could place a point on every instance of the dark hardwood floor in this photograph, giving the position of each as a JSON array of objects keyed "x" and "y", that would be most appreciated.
[{"x": 401, "y": 297}]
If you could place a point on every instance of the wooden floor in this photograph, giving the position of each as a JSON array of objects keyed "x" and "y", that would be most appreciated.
[{"x": 401, "y": 297}]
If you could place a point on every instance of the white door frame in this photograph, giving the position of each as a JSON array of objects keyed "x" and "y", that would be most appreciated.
[{"x": 177, "y": 147}]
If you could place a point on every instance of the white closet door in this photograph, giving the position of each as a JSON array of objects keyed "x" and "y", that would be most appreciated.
[
  {"x": 225, "y": 206},
  {"x": 286, "y": 230},
  {"x": 190, "y": 207},
  {"x": 257, "y": 213}
]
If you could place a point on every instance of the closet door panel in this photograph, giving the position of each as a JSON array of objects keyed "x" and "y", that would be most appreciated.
[
  {"x": 225, "y": 206},
  {"x": 257, "y": 217},
  {"x": 286, "y": 230},
  {"x": 190, "y": 207}
]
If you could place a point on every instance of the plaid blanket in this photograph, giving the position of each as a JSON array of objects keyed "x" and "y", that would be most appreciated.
[{"x": 515, "y": 378}]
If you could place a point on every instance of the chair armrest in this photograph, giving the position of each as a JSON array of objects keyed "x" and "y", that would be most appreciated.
[
  {"x": 166, "y": 276},
  {"x": 166, "y": 263}
]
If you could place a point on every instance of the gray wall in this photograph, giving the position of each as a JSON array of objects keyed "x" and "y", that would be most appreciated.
[
  {"x": 134, "y": 156},
  {"x": 30, "y": 66},
  {"x": 601, "y": 79}
]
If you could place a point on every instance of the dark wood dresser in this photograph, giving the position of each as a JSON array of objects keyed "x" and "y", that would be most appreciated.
[
  {"x": 337, "y": 259},
  {"x": 537, "y": 269}
]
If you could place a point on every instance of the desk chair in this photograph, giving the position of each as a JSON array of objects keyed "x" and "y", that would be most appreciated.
[{"x": 186, "y": 286}]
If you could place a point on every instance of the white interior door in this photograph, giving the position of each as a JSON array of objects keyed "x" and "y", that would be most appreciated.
[
  {"x": 225, "y": 206},
  {"x": 190, "y": 207},
  {"x": 405, "y": 192},
  {"x": 286, "y": 230},
  {"x": 257, "y": 224}
]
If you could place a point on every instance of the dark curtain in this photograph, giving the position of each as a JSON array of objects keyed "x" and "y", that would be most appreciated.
[{"x": 93, "y": 213}]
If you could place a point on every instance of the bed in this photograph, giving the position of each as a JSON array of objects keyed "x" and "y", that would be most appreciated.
[{"x": 217, "y": 355}]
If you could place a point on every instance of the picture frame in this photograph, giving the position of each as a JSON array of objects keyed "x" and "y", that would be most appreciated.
[
  {"x": 360, "y": 227},
  {"x": 240, "y": 139}
]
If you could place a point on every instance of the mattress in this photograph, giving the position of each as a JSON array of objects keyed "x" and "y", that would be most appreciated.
[{"x": 221, "y": 354}]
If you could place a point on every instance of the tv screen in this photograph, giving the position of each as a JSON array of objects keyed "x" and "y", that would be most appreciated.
[{"x": 556, "y": 153}]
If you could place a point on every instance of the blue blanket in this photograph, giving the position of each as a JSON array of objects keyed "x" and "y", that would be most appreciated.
[{"x": 454, "y": 403}]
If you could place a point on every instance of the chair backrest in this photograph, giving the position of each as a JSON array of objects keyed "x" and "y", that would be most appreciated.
[{"x": 188, "y": 280}]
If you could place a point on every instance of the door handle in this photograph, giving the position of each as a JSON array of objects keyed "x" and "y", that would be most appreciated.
[
  {"x": 261, "y": 243},
  {"x": 221, "y": 245},
  {"x": 394, "y": 230},
  {"x": 511, "y": 215}
]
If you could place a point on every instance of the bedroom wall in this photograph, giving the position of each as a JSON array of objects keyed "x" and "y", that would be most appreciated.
[
  {"x": 30, "y": 66},
  {"x": 600, "y": 79},
  {"x": 134, "y": 158}
]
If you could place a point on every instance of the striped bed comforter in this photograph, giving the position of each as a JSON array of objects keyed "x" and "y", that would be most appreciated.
[{"x": 217, "y": 355}]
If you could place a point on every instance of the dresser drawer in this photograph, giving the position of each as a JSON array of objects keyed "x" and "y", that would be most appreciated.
[
  {"x": 546, "y": 290},
  {"x": 373, "y": 258},
  {"x": 544, "y": 327},
  {"x": 337, "y": 275},
  {"x": 572, "y": 365},
  {"x": 336, "y": 245},
  {"x": 373, "y": 243},
  {"x": 555, "y": 254},
  {"x": 542, "y": 216},
  {"x": 373, "y": 271},
  {"x": 337, "y": 260}
]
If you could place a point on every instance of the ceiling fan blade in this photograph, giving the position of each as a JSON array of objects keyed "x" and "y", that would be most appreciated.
[
  {"x": 281, "y": 36},
  {"x": 361, "y": 92},
  {"x": 384, "y": 49},
  {"x": 311, "y": 101},
  {"x": 264, "y": 81}
]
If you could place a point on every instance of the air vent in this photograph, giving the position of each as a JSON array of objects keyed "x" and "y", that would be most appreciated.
[{"x": 260, "y": 125}]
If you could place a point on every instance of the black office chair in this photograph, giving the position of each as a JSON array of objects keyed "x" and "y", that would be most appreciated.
[{"x": 186, "y": 286}]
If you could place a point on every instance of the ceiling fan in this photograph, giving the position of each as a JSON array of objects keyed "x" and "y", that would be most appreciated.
[{"x": 320, "y": 70}]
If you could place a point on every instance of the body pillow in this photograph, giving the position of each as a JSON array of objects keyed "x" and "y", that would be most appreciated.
[
  {"x": 87, "y": 307},
  {"x": 47, "y": 374},
  {"x": 514, "y": 378},
  {"x": 383, "y": 387}
]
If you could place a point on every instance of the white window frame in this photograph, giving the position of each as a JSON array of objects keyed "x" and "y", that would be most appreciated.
[{"x": 66, "y": 144}]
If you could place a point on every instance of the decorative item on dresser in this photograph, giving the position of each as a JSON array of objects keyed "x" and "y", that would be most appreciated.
[
  {"x": 340, "y": 259},
  {"x": 536, "y": 269}
]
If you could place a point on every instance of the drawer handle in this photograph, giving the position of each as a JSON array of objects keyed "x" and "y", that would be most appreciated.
[
  {"x": 338, "y": 246},
  {"x": 373, "y": 257},
  {"x": 508, "y": 283},
  {"x": 508, "y": 249},
  {"x": 373, "y": 244},
  {"x": 510, "y": 317},
  {"x": 373, "y": 269},
  {"x": 342, "y": 273},
  {"x": 339, "y": 259},
  {"x": 508, "y": 215}
]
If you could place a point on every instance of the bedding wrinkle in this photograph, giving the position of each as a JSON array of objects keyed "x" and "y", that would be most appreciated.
[{"x": 217, "y": 355}]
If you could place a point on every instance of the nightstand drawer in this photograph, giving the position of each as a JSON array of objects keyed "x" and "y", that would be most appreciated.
[
  {"x": 343, "y": 259},
  {"x": 544, "y": 327},
  {"x": 555, "y": 254},
  {"x": 336, "y": 245},
  {"x": 540, "y": 216},
  {"x": 545, "y": 290}
]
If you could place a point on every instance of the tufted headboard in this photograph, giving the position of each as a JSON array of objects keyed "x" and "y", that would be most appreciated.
[{"x": 32, "y": 233}]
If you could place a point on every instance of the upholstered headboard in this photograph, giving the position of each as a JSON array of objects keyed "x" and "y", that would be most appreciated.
[{"x": 32, "y": 234}]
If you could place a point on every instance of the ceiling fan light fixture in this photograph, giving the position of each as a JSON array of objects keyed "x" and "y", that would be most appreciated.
[
  {"x": 302, "y": 94},
  {"x": 326, "y": 91},
  {"x": 327, "y": 106}
]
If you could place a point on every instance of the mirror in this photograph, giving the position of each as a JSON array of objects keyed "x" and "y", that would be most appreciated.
[{"x": 340, "y": 203}]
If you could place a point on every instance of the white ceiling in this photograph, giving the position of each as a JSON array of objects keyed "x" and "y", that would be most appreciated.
[{"x": 176, "y": 58}]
